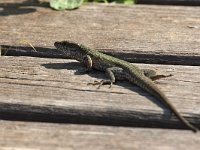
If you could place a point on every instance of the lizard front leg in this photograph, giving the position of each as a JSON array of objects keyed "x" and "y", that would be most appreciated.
[
  {"x": 87, "y": 61},
  {"x": 110, "y": 72}
]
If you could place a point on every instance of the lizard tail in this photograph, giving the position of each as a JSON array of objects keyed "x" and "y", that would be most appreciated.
[{"x": 150, "y": 87}]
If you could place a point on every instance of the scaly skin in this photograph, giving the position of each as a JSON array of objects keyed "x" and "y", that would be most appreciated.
[{"x": 97, "y": 60}]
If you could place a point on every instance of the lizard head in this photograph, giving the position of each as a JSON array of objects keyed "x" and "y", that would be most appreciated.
[{"x": 70, "y": 49}]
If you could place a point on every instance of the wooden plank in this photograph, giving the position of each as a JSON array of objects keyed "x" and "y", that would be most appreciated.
[
  {"x": 170, "y": 2},
  {"x": 139, "y": 33},
  {"x": 39, "y": 89},
  {"x": 45, "y": 136}
]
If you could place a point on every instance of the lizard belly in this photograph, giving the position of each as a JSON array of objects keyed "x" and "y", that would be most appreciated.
[
  {"x": 118, "y": 72},
  {"x": 101, "y": 65}
]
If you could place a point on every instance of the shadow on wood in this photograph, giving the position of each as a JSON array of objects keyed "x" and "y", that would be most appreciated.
[
  {"x": 115, "y": 117},
  {"x": 134, "y": 57},
  {"x": 20, "y": 8}
]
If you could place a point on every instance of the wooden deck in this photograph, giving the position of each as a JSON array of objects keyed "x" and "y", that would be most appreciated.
[{"x": 46, "y": 104}]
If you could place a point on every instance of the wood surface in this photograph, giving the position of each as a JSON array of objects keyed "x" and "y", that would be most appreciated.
[
  {"x": 139, "y": 33},
  {"x": 170, "y": 2},
  {"x": 45, "y": 136},
  {"x": 53, "y": 91}
]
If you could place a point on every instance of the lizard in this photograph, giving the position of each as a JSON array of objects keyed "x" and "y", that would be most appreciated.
[{"x": 118, "y": 69}]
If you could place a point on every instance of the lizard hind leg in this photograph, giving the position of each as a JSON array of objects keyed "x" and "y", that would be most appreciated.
[{"x": 152, "y": 74}]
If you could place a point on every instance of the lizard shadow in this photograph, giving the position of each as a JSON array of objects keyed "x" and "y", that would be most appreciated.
[{"x": 79, "y": 69}]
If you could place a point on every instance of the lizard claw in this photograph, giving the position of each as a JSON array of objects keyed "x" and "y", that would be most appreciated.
[
  {"x": 94, "y": 83},
  {"x": 100, "y": 83},
  {"x": 110, "y": 84}
]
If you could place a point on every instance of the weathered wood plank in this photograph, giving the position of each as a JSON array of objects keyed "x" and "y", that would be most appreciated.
[
  {"x": 8, "y": 50},
  {"x": 170, "y": 2},
  {"x": 44, "y": 136},
  {"x": 50, "y": 90},
  {"x": 139, "y": 33}
]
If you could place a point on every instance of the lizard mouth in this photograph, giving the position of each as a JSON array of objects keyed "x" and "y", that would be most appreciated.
[
  {"x": 63, "y": 45},
  {"x": 57, "y": 44}
]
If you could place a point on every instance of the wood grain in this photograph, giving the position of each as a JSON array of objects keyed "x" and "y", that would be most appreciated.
[
  {"x": 52, "y": 90},
  {"x": 170, "y": 2},
  {"x": 45, "y": 136},
  {"x": 139, "y": 33},
  {"x": 40, "y": 89}
]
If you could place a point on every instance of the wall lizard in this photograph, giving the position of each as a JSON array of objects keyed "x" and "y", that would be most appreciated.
[{"x": 117, "y": 69}]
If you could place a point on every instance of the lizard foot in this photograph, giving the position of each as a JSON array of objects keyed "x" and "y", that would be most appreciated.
[{"x": 102, "y": 82}]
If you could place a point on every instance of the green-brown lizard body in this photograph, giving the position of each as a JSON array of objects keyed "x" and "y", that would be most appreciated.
[{"x": 117, "y": 69}]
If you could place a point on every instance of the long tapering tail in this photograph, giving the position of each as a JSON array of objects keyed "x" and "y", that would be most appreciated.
[{"x": 151, "y": 87}]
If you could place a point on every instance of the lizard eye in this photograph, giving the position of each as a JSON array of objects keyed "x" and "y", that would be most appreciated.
[{"x": 58, "y": 44}]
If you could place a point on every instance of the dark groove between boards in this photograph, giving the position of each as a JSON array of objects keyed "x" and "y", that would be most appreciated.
[
  {"x": 111, "y": 117},
  {"x": 134, "y": 57}
]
